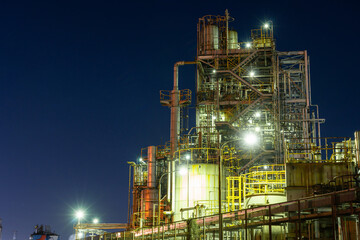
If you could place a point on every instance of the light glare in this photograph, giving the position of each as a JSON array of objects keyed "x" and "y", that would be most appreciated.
[
  {"x": 266, "y": 25},
  {"x": 79, "y": 214},
  {"x": 183, "y": 171},
  {"x": 250, "y": 139},
  {"x": 252, "y": 74},
  {"x": 96, "y": 220},
  {"x": 187, "y": 157},
  {"x": 257, "y": 114},
  {"x": 248, "y": 45}
]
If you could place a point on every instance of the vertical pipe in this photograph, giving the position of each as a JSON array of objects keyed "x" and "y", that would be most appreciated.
[
  {"x": 128, "y": 196},
  {"x": 357, "y": 226},
  {"x": 227, "y": 31},
  {"x": 175, "y": 231},
  {"x": 163, "y": 230},
  {"x": 246, "y": 230},
  {"x": 357, "y": 147},
  {"x": 220, "y": 205},
  {"x": 151, "y": 167},
  {"x": 299, "y": 219},
  {"x": 270, "y": 233},
  {"x": 306, "y": 79},
  {"x": 204, "y": 230}
]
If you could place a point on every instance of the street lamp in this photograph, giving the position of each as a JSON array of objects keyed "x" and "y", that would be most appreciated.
[
  {"x": 95, "y": 220},
  {"x": 182, "y": 171},
  {"x": 79, "y": 215},
  {"x": 251, "y": 139}
]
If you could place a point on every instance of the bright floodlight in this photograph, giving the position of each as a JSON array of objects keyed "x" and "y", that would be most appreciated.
[
  {"x": 266, "y": 25},
  {"x": 252, "y": 74},
  {"x": 183, "y": 171},
  {"x": 257, "y": 129},
  {"x": 265, "y": 167},
  {"x": 248, "y": 45},
  {"x": 80, "y": 214},
  {"x": 214, "y": 71},
  {"x": 257, "y": 114},
  {"x": 250, "y": 139},
  {"x": 213, "y": 117},
  {"x": 187, "y": 156},
  {"x": 95, "y": 220},
  {"x": 80, "y": 235}
]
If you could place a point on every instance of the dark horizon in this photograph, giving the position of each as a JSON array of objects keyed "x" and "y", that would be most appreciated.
[{"x": 80, "y": 86}]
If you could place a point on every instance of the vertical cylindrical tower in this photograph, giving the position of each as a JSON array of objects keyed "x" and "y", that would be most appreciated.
[{"x": 150, "y": 194}]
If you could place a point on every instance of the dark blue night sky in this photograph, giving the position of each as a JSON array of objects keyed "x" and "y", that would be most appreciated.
[{"x": 79, "y": 91}]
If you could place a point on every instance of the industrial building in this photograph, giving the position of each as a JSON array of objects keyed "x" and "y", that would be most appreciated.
[{"x": 255, "y": 165}]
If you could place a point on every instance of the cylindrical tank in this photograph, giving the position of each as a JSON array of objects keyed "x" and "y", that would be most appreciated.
[
  {"x": 198, "y": 186},
  {"x": 264, "y": 185},
  {"x": 233, "y": 40},
  {"x": 210, "y": 37}
]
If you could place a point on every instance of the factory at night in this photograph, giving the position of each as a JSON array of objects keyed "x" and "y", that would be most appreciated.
[{"x": 254, "y": 165}]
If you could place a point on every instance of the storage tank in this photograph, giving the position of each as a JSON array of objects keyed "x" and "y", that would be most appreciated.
[
  {"x": 265, "y": 185},
  {"x": 209, "y": 38},
  {"x": 198, "y": 189},
  {"x": 233, "y": 40}
]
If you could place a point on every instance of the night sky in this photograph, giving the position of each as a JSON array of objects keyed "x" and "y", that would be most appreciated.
[{"x": 79, "y": 92}]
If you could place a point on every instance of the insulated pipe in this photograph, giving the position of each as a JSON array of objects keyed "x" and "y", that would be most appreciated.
[
  {"x": 151, "y": 167},
  {"x": 175, "y": 126},
  {"x": 357, "y": 147},
  {"x": 175, "y": 108}
]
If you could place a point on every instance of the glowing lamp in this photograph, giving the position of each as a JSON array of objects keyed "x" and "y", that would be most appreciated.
[
  {"x": 250, "y": 139},
  {"x": 183, "y": 171},
  {"x": 80, "y": 214}
]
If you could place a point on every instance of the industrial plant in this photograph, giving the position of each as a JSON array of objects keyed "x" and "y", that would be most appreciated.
[{"x": 254, "y": 166}]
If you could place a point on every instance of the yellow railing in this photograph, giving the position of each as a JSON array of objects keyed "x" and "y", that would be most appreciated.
[
  {"x": 234, "y": 192},
  {"x": 265, "y": 179},
  {"x": 331, "y": 150},
  {"x": 197, "y": 155}
]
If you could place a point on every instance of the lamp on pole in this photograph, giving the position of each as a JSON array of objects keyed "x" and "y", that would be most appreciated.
[
  {"x": 182, "y": 171},
  {"x": 79, "y": 215},
  {"x": 250, "y": 139}
]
